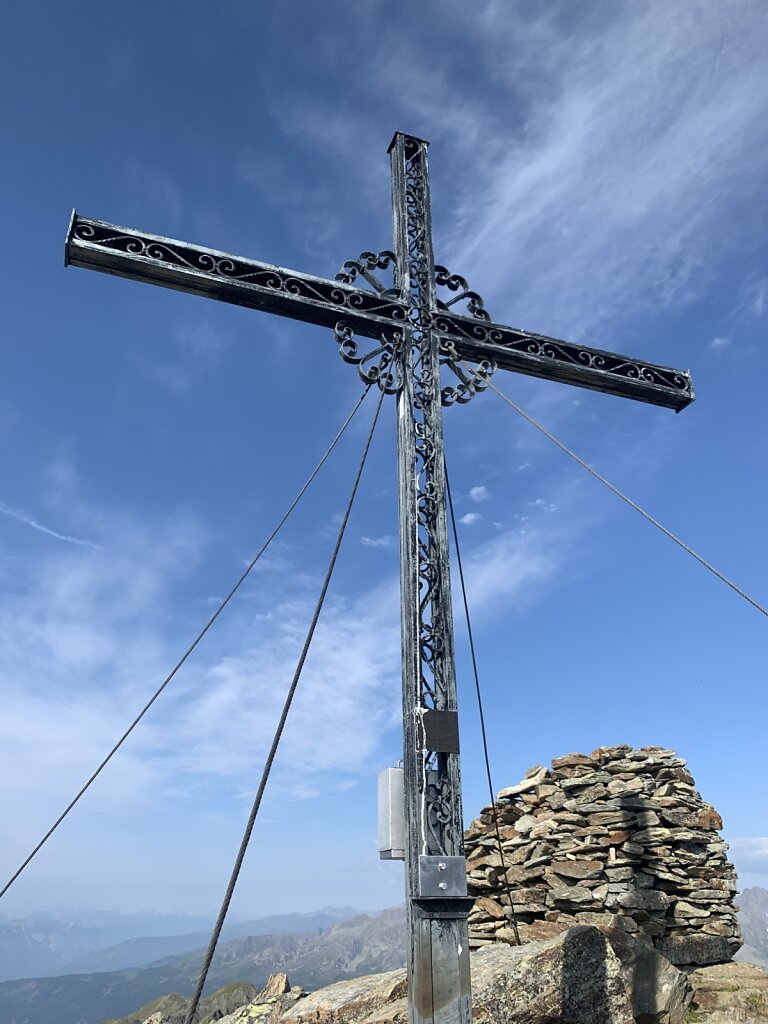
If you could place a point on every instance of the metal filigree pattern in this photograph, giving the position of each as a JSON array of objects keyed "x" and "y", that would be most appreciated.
[
  {"x": 439, "y": 797},
  {"x": 364, "y": 266},
  {"x": 438, "y": 778},
  {"x": 379, "y": 366},
  {"x": 472, "y": 380},
  {"x": 562, "y": 360},
  {"x": 171, "y": 263},
  {"x": 456, "y": 283},
  {"x": 232, "y": 278}
]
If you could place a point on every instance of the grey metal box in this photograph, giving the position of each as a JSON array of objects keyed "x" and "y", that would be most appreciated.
[{"x": 391, "y": 814}]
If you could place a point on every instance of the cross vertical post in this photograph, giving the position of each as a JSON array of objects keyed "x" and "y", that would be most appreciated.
[{"x": 436, "y": 887}]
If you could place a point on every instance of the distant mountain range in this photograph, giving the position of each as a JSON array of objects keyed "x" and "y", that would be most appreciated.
[
  {"x": 753, "y": 919},
  {"x": 39, "y": 945},
  {"x": 366, "y": 944},
  {"x": 312, "y": 958}
]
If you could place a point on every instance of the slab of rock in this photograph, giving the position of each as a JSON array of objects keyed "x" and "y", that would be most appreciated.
[
  {"x": 730, "y": 991},
  {"x": 350, "y": 1001},
  {"x": 574, "y": 978},
  {"x": 695, "y": 949},
  {"x": 659, "y": 992},
  {"x": 277, "y": 985}
]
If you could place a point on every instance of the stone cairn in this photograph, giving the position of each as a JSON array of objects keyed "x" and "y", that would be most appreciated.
[{"x": 618, "y": 838}]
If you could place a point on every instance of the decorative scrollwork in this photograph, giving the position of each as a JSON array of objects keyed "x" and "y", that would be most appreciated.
[
  {"x": 364, "y": 266},
  {"x": 471, "y": 380},
  {"x": 380, "y": 366},
  {"x": 230, "y": 268},
  {"x": 439, "y": 803},
  {"x": 557, "y": 353},
  {"x": 456, "y": 283},
  {"x": 436, "y": 685}
]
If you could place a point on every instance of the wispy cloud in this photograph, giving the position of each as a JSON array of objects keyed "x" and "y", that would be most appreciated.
[
  {"x": 377, "y": 542},
  {"x": 753, "y": 300},
  {"x": 542, "y": 503},
  {"x": 28, "y": 520},
  {"x": 470, "y": 518},
  {"x": 750, "y": 854},
  {"x": 626, "y": 161},
  {"x": 720, "y": 342},
  {"x": 199, "y": 347},
  {"x": 479, "y": 493}
]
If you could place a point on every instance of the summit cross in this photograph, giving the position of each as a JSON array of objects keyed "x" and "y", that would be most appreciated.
[{"x": 414, "y": 334}]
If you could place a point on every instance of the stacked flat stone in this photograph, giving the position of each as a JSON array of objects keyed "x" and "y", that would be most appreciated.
[{"x": 619, "y": 837}]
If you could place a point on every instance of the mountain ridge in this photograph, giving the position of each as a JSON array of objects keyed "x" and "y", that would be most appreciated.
[
  {"x": 363, "y": 945},
  {"x": 41, "y": 945}
]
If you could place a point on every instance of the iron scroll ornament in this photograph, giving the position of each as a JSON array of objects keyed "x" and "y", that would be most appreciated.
[
  {"x": 457, "y": 283},
  {"x": 380, "y": 365},
  {"x": 216, "y": 265},
  {"x": 126, "y": 252}
]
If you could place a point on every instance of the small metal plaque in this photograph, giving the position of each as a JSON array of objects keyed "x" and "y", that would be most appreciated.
[
  {"x": 441, "y": 731},
  {"x": 442, "y": 876}
]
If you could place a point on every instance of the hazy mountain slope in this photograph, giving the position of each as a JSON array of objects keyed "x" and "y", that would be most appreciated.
[
  {"x": 39, "y": 944},
  {"x": 224, "y": 1001},
  {"x": 144, "y": 950},
  {"x": 360, "y": 946},
  {"x": 753, "y": 919}
]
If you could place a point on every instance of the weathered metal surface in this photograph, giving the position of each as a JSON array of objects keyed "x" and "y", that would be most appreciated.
[
  {"x": 374, "y": 312},
  {"x": 97, "y": 245},
  {"x": 434, "y": 823},
  {"x": 540, "y": 356},
  {"x": 440, "y": 956}
]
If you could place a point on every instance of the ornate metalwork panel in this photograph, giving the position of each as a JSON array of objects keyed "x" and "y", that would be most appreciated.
[
  {"x": 432, "y": 777},
  {"x": 98, "y": 245},
  {"x": 540, "y": 356},
  {"x": 101, "y": 246}
]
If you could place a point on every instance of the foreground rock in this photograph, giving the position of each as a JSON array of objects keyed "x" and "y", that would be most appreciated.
[
  {"x": 619, "y": 837},
  {"x": 226, "y": 1004},
  {"x": 586, "y": 975},
  {"x": 575, "y": 978},
  {"x": 658, "y": 991},
  {"x": 729, "y": 992}
]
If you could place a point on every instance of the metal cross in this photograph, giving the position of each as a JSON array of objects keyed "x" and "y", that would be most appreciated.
[{"x": 414, "y": 333}]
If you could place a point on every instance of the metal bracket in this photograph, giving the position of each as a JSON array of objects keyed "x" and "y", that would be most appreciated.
[{"x": 441, "y": 877}]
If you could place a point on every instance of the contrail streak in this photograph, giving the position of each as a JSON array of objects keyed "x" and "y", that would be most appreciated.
[{"x": 16, "y": 513}]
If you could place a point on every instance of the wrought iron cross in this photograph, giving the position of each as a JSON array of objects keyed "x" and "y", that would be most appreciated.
[{"x": 414, "y": 334}]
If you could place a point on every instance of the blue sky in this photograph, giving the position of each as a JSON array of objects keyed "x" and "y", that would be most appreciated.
[{"x": 598, "y": 174}]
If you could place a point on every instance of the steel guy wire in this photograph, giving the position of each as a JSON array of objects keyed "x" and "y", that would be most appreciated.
[
  {"x": 491, "y": 790},
  {"x": 191, "y": 647},
  {"x": 620, "y": 494},
  {"x": 192, "y": 1011}
]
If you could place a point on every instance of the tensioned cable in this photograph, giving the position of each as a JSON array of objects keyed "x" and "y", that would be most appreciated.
[
  {"x": 620, "y": 494},
  {"x": 278, "y": 733},
  {"x": 190, "y": 649},
  {"x": 491, "y": 790}
]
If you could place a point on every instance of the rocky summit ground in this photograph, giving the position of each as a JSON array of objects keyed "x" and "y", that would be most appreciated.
[{"x": 586, "y": 975}]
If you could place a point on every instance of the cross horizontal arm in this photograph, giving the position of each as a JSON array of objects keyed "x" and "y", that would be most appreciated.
[
  {"x": 539, "y": 356},
  {"x": 98, "y": 245}
]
